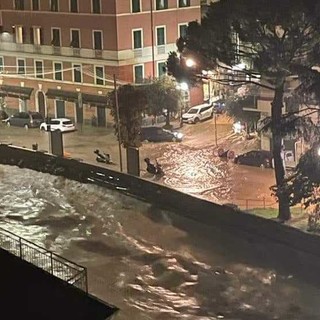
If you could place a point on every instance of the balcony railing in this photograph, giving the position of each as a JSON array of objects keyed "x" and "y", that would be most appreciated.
[
  {"x": 76, "y": 52},
  {"x": 98, "y": 53},
  {"x": 161, "y": 49},
  {"x": 84, "y": 52},
  {"x": 52, "y": 263},
  {"x": 137, "y": 53}
]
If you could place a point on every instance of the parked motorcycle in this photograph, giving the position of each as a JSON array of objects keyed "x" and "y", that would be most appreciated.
[
  {"x": 155, "y": 169},
  {"x": 103, "y": 157},
  {"x": 159, "y": 170}
]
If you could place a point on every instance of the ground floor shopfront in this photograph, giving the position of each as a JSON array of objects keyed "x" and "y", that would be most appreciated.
[{"x": 82, "y": 104}]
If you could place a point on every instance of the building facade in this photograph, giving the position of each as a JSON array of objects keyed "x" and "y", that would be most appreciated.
[{"x": 58, "y": 57}]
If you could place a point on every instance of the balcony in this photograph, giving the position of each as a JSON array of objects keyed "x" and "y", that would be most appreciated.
[
  {"x": 98, "y": 54},
  {"x": 76, "y": 52},
  {"x": 137, "y": 53},
  {"x": 161, "y": 49},
  {"x": 56, "y": 50},
  {"x": 47, "y": 50}
]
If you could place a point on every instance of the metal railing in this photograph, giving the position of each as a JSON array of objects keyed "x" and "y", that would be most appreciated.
[
  {"x": 52, "y": 263},
  {"x": 254, "y": 203}
]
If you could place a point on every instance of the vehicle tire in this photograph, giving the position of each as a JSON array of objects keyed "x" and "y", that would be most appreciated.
[
  {"x": 265, "y": 164},
  {"x": 174, "y": 139},
  {"x": 8, "y": 124},
  {"x": 220, "y": 152},
  {"x": 26, "y": 126},
  {"x": 230, "y": 154},
  {"x": 42, "y": 129},
  {"x": 237, "y": 161},
  {"x": 196, "y": 120}
]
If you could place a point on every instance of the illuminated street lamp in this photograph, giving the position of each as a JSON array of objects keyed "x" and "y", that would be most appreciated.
[
  {"x": 183, "y": 86},
  {"x": 190, "y": 63}
]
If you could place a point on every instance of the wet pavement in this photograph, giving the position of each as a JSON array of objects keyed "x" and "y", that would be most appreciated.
[{"x": 191, "y": 166}]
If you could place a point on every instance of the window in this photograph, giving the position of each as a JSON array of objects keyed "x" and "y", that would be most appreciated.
[
  {"x": 97, "y": 40},
  {"x": 19, "y": 4},
  {"x": 161, "y": 4},
  {"x": 56, "y": 41},
  {"x": 99, "y": 75},
  {"x": 138, "y": 74},
  {"x": 75, "y": 38},
  {"x": 137, "y": 39},
  {"x": 161, "y": 36},
  {"x": 73, "y": 5},
  {"x": 19, "y": 32},
  {"x": 35, "y": 5},
  {"x": 135, "y": 5},
  {"x": 183, "y": 30},
  {"x": 54, "y": 6},
  {"x": 21, "y": 66},
  {"x": 36, "y": 35},
  {"x": 39, "y": 69},
  {"x": 1, "y": 64},
  {"x": 57, "y": 66},
  {"x": 77, "y": 73},
  {"x": 184, "y": 3},
  {"x": 96, "y": 6},
  {"x": 161, "y": 69}
]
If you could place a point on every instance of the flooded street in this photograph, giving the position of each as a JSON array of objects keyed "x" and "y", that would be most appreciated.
[
  {"x": 191, "y": 166},
  {"x": 153, "y": 264}
]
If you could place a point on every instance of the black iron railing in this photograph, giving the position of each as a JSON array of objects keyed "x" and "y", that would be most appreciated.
[{"x": 52, "y": 263}]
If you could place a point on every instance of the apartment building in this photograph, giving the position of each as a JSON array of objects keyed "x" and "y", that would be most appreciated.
[{"x": 58, "y": 57}]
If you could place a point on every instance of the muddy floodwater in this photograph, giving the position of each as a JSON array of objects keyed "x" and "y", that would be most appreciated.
[{"x": 153, "y": 264}]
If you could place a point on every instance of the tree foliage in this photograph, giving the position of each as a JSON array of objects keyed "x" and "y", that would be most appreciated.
[
  {"x": 132, "y": 103},
  {"x": 236, "y": 104},
  {"x": 304, "y": 183},
  {"x": 162, "y": 94},
  {"x": 275, "y": 39}
]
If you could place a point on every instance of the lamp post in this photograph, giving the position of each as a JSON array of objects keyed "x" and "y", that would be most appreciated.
[
  {"x": 118, "y": 120},
  {"x": 183, "y": 86},
  {"x": 189, "y": 62},
  {"x": 152, "y": 38}
]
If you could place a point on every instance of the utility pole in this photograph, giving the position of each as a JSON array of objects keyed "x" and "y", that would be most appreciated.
[
  {"x": 215, "y": 129},
  {"x": 118, "y": 120},
  {"x": 152, "y": 38}
]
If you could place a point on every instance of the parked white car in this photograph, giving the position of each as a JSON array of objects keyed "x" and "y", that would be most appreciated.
[
  {"x": 61, "y": 124},
  {"x": 198, "y": 113}
]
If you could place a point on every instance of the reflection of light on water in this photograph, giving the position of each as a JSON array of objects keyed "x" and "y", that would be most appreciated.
[
  {"x": 198, "y": 172},
  {"x": 151, "y": 264}
]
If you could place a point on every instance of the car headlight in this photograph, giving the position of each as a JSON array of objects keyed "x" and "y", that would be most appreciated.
[{"x": 179, "y": 135}]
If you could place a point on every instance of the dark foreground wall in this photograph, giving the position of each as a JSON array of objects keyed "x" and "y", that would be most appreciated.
[{"x": 28, "y": 292}]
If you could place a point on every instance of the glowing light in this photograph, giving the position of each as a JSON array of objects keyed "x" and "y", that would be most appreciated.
[
  {"x": 237, "y": 127},
  {"x": 184, "y": 86},
  {"x": 319, "y": 151},
  {"x": 190, "y": 63}
]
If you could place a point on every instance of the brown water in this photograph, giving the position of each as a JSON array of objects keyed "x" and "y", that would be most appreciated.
[{"x": 153, "y": 264}]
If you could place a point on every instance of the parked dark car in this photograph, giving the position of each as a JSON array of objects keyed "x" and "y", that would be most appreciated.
[
  {"x": 157, "y": 134},
  {"x": 25, "y": 119},
  {"x": 256, "y": 158}
]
